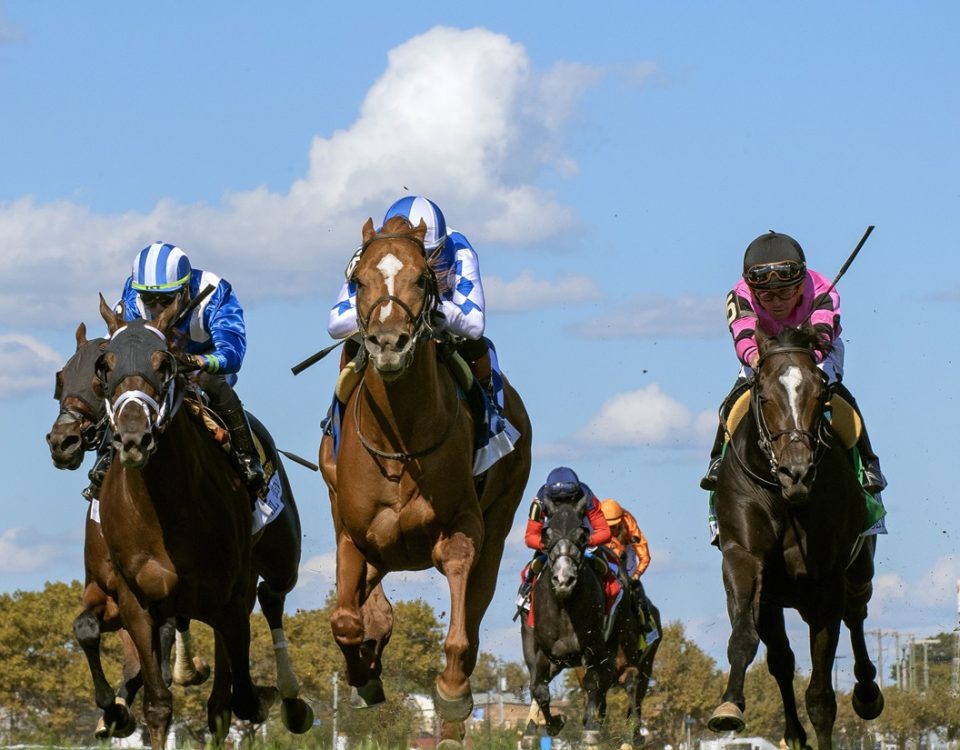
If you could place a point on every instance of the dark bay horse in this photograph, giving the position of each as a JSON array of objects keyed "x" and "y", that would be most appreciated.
[
  {"x": 402, "y": 491},
  {"x": 79, "y": 428},
  {"x": 567, "y": 605},
  {"x": 791, "y": 511},
  {"x": 176, "y": 518}
]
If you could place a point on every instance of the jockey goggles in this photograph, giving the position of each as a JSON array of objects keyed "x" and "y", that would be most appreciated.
[
  {"x": 153, "y": 299},
  {"x": 562, "y": 490},
  {"x": 775, "y": 275}
]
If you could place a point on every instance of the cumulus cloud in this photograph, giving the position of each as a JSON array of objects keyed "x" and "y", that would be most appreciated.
[
  {"x": 646, "y": 417},
  {"x": 648, "y": 315},
  {"x": 26, "y": 364},
  {"x": 19, "y": 557},
  {"x": 453, "y": 116},
  {"x": 526, "y": 292}
]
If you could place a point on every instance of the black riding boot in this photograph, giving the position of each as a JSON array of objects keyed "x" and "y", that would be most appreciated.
[
  {"x": 709, "y": 481},
  {"x": 873, "y": 479},
  {"x": 99, "y": 469},
  {"x": 244, "y": 449}
]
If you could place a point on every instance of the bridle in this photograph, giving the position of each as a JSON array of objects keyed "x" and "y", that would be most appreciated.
[
  {"x": 421, "y": 325},
  {"x": 816, "y": 438},
  {"x": 75, "y": 410},
  {"x": 421, "y": 322}
]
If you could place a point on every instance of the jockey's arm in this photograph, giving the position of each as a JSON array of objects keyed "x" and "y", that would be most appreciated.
[
  {"x": 342, "y": 322},
  {"x": 600, "y": 533},
  {"x": 223, "y": 319},
  {"x": 533, "y": 536},
  {"x": 463, "y": 304}
]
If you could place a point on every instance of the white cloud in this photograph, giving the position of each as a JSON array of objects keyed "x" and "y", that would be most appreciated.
[
  {"x": 649, "y": 315},
  {"x": 528, "y": 293},
  {"x": 16, "y": 557},
  {"x": 26, "y": 364},
  {"x": 454, "y": 116},
  {"x": 645, "y": 417}
]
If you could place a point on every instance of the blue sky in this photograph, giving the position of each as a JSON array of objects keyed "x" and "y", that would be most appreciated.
[{"x": 610, "y": 164}]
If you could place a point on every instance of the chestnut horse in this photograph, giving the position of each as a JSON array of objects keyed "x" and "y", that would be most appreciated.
[
  {"x": 402, "y": 490},
  {"x": 176, "y": 518},
  {"x": 78, "y": 428},
  {"x": 791, "y": 510}
]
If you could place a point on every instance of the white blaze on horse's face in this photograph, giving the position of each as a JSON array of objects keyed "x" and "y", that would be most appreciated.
[
  {"x": 389, "y": 266},
  {"x": 791, "y": 380}
]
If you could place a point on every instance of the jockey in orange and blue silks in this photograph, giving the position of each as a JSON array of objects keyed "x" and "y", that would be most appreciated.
[
  {"x": 777, "y": 291},
  {"x": 460, "y": 312},
  {"x": 213, "y": 336},
  {"x": 563, "y": 485}
]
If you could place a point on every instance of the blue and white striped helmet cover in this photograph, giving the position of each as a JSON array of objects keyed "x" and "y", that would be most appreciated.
[
  {"x": 413, "y": 208},
  {"x": 161, "y": 267}
]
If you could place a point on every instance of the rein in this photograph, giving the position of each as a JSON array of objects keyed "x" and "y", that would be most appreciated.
[{"x": 400, "y": 455}]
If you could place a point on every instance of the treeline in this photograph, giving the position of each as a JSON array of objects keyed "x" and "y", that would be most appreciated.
[{"x": 46, "y": 694}]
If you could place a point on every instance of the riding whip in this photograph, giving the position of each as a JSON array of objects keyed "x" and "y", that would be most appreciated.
[
  {"x": 845, "y": 266},
  {"x": 302, "y": 461},
  {"x": 191, "y": 305},
  {"x": 313, "y": 359}
]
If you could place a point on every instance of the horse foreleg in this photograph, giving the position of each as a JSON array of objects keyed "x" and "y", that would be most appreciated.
[
  {"x": 157, "y": 699},
  {"x": 188, "y": 668},
  {"x": 741, "y": 580},
  {"x": 346, "y": 621},
  {"x": 781, "y": 664},
  {"x": 456, "y": 555},
  {"x": 867, "y": 698},
  {"x": 821, "y": 700},
  {"x": 86, "y": 629},
  {"x": 297, "y": 715},
  {"x": 249, "y": 702}
]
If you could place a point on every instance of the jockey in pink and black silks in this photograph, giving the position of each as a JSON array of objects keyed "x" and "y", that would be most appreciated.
[{"x": 777, "y": 291}]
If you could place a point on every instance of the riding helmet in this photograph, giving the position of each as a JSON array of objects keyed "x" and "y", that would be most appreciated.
[
  {"x": 774, "y": 260},
  {"x": 612, "y": 511},
  {"x": 160, "y": 267},
  {"x": 562, "y": 483}
]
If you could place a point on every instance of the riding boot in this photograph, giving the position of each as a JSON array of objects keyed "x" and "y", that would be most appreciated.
[
  {"x": 873, "y": 479},
  {"x": 100, "y": 465},
  {"x": 709, "y": 481},
  {"x": 244, "y": 449}
]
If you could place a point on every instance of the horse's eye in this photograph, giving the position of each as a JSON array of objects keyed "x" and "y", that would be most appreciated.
[{"x": 422, "y": 282}]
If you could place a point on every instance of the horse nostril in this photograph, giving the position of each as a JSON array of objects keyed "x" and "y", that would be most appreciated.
[
  {"x": 789, "y": 473},
  {"x": 146, "y": 442},
  {"x": 402, "y": 341}
]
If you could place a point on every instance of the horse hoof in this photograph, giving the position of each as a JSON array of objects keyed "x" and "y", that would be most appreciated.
[
  {"x": 453, "y": 709},
  {"x": 297, "y": 715},
  {"x": 867, "y": 700},
  {"x": 367, "y": 696},
  {"x": 556, "y": 724},
  {"x": 449, "y": 745},
  {"x": 529, "y": 742},
  {"x": 196, "y": 674},
  {"x": 727, "y": 718},
  {"x": 626, "y": 746},
  {"x": 117, "y": 721}
]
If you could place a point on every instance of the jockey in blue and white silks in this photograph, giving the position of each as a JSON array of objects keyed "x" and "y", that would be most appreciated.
[
  {"x": 461, "y": 310},
  {"x": 454, "y": 261},
  {"x": 214, "y": 338}
]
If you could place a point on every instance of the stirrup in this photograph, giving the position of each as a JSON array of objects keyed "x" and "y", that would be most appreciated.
[{"x": 873, "y": 479}]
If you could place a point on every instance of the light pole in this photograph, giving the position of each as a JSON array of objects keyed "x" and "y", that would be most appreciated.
[{"x": 336, "y": 694}]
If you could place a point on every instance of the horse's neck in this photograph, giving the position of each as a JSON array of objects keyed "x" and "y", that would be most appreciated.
[{"x": 416, "y": 397}]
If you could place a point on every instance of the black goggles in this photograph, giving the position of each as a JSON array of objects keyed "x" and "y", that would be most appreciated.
[
  {"x": 775, "y": 274},
  {"x": 154, "y": 299},
  {"x": 566, "y": 490}
]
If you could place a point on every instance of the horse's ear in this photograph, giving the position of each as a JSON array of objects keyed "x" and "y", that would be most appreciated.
[
  {"x": 81, "y": 334},
  {"x": 368, "y": 231},
  {"x": 549, "y": 506},
  {"x": 58, "y": 386},
  {"x": 110, "y": 317},
  {"x": 166, "y": 318},
  {"x": 420, "y": 230},
  {"x": 763, "y": 340},
  {"x": 106, "y": 361}
]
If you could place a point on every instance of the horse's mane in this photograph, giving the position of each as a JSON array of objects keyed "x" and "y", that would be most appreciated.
[{"x": 805, "y": 337}]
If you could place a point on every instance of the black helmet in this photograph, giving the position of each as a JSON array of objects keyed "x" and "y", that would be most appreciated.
[{"x": 774, "y": 261}]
